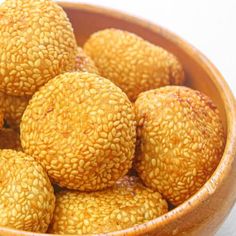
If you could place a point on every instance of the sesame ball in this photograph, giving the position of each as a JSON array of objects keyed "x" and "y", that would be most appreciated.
[
  {"x": 180, "y": 140},
  {"x": 26, "y": 196},
  {"x": 36, "y": 44},
  {"x": 13, "y": 107},
  {"x": 126, "y": 204},
  {"x": 81, "y": 128},
  {"x": 10, "y": 139},
  {"x": 84, "y": 63},
  {"x": 132, "y": 63}
]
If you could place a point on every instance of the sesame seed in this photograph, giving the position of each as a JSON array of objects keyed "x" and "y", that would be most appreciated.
[
  {"x": 182, "y": 140},
  {"x": 108, "y": 210}
]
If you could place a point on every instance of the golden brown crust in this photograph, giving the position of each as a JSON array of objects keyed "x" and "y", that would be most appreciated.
[
  {"x": 181, "y": 140},
  {"x": 26, "y": 195},
  {"x": 13, "y": 108},
  {"x": 81, "y": 127},
  {"x": 36, "y": 44},
  {"x": 127, "y": 204},
  {"x": 10, "y": 139},
  {"x": 132, "y": 63},
  {"x": 84, "y": 63}
]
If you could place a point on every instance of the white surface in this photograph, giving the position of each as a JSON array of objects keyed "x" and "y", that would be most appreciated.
[{"x": 209, "y": 25}]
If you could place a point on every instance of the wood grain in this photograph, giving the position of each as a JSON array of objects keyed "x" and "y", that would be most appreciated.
[{"x": 203, "y": 213}]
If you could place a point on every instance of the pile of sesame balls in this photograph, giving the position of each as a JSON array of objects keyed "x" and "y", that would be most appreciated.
[{"x": 99, "y": 137}]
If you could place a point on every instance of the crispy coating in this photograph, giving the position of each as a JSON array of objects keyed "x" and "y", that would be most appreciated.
[
  {"x": 132, "y": 63},
  {"x": 84, "y": 63},
  {"x": 36, "y": 44},
  {"x": 13, "y": 108},
  {"x": 10, "y": 139},
  {"x": 81, "y": 127},
  {"x": 26, "y": 195},
  {"x": 127, "y": 204},
  {"x": 180, "y": 140}
]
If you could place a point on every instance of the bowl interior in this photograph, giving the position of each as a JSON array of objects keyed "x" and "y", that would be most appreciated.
[{"x": 201, "y": 75}]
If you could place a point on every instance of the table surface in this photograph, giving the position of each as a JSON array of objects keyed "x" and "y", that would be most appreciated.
[{"x": 208, "y": 25}]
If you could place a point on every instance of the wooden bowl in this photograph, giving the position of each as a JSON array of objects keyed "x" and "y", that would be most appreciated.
[{"x": 204, "y": 212}]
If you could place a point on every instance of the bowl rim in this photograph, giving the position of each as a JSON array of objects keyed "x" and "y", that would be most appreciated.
[{"x": 227, "y": 96}]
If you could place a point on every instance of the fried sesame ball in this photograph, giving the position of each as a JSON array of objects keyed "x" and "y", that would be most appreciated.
[
  {"x": 84, "y": 63},
  {"x": 81, "y": 128},
  {"x": 36, "y": 44},
  {"x": 126, "y": 204},
  {"x": 26, "y": 195},
  {"x": 180, "y": 140},
  {"x": 132, "y": 63},
  {"x": 13, "y": 107},
  {"x": 10, "y": 139}
]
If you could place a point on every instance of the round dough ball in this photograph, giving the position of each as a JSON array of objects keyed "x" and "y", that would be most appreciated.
[
  {"x": 26, "y": 195},
  {"x": 13, "y": 108},
  {"x": 84, "y": 63},
  {"x": 36, "y": 44},
  {"x": 127, "y": 204},
  {"x": 81, "y": 127},
  {"x": 180, "y": 140},
  {"x": 132, "y": 63}
]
